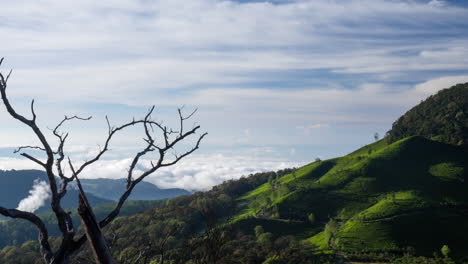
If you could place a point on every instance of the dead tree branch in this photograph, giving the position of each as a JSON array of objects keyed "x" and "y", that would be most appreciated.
[
  {"x": 43, "y": 234},
  {"x": 63, "y": 219}
]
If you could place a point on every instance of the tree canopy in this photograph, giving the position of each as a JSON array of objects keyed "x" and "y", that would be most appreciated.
[{"x": 442, "y": 117}]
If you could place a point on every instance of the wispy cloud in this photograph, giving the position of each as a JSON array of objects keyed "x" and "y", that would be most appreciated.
[
  {"x": 437, "y": 3},
  {"x": 121, "y": 51}
]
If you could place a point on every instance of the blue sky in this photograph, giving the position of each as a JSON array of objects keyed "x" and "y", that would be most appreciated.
[{"x": 276, "y": 83}]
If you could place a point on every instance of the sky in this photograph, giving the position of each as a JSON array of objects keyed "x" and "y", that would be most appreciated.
[{"x": 275, "y": 83}]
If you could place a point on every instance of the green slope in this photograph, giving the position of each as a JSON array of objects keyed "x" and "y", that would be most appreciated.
[
  {"x": 411, "y": 193},
  {"x": 382, "y": 198}
]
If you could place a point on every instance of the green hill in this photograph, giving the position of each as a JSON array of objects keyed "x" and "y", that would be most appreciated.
[
  {"x": 381, "y": 200},
  {"x": 411, "y": 193}
]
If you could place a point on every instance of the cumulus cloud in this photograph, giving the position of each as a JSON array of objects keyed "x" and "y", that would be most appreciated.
[{"x": 39, "y": 193}]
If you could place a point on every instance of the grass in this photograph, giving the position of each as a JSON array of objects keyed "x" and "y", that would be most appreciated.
[
  {"x": 319, "y": 241},
  {"x": 447, "y": 171},
  {"x": 392, "y": 204},
  {"x": 356, "y": 235}
]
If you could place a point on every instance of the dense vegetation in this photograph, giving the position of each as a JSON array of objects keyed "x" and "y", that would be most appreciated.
[
  {"x": 442, "y": 117},
  {"x": 17, "y": 231}
]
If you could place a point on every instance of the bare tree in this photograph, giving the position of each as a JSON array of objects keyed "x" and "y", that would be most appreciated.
[{"x": 56, "y": 160}]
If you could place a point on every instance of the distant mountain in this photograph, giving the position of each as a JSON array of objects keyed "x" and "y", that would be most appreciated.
[
  {"x": 442, "y": 117},
  {"x": 16, "y": 185},
  {"x": 112, "y": 189}
]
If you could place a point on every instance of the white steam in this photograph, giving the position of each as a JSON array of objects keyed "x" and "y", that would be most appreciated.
[{"x": 39, "y": 193}]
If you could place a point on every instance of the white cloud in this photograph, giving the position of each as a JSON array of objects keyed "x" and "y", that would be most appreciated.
[
  {"x": 437, "y": 3},
  {"x": 292, "y": 151},
  {"x": 202, "y": 172},
  {"x": 307, "y": 130},
  {"x": 17, "y": 164},
  {"x": 198, "y": 172},
  {"x": 39, "y": 193}
]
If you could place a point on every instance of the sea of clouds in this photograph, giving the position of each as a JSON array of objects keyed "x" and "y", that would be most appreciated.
[{"x": 195, "y": 173}]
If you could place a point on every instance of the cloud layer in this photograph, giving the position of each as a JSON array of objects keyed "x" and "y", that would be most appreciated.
[
  {"x": 150, "y": 51},
  {"x": 200, "y": 172}
]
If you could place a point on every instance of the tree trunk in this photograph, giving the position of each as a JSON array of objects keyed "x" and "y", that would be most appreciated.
[
  {"x": 62, "y": 259},
  {"x": 93, "y": 232}
]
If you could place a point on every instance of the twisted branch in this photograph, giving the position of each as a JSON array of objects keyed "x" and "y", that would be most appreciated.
[{"x": 43, "y": 234}]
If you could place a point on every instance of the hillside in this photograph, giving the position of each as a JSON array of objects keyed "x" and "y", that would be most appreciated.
[
  {"x": 412, "y": 193},
  {"x": 379, "y": 202},
  {"x": 442, "y": 117}
]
